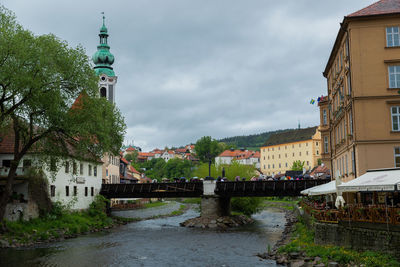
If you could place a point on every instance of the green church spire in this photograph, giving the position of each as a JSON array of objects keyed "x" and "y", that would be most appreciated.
[{"x": 103, "y": 59}]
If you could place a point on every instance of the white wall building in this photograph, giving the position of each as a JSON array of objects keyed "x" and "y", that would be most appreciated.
[{"x": 75, "y": 183}]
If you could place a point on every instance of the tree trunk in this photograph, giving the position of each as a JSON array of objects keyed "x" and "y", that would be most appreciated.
[{"x": 8, "y": 188}]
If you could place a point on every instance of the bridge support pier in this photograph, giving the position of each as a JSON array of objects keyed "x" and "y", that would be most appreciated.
[{"x": 215, "y": 206}]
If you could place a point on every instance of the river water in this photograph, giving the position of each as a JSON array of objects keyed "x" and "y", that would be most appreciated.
[{"x": 158, "y": 242}]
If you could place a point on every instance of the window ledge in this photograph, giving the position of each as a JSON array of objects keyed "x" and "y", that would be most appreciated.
[
  {"x": 392, "y": 47},
  {"x": 395, "y": 132},
  {"x": 394, "y": 88}
]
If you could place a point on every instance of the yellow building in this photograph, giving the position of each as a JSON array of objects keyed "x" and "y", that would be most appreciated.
[
  {"x": 282, "y": 149},
  {"x": 360, "y": 119}
]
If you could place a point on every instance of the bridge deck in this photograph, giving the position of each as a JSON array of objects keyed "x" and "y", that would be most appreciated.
[
  {"x": 223, "y": 189},
  {"x": 152, "y": 190},
  {"x": 265, "y": 188}
]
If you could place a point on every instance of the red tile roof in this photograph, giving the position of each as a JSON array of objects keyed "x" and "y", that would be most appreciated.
[
  {"x": 181, "y": 150},
  {"x": 124, "y": 160},
  {"x": 130, "y": 149},
  {"x": 379, "y": 8},
  {"x": 7, "y": 143},
  {"x": 240, "y": 154},
  {"x": 132, "y": 169}
]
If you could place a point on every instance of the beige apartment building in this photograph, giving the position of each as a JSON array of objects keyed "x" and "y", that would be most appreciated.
[
  {"x": 360, "y": 118},
  {"x": 282, "y": 149},
  {"x": 110, "y": 169}
]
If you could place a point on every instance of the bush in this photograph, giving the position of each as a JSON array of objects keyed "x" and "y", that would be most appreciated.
[
  {"x": 246, "y": 205},
  {"x": 98, "y": 206}
]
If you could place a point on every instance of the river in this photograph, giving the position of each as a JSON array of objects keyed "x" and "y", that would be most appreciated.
[{"x": 158, "y": 242}]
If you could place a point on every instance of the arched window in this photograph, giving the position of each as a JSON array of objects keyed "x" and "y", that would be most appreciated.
[{"x": 103, "y": 92}]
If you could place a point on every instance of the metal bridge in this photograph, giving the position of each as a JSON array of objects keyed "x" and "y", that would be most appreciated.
[{"x": 222, "y": 189}]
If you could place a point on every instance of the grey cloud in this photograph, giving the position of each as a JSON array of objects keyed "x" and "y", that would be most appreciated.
[{"x": 192, "y": 68}]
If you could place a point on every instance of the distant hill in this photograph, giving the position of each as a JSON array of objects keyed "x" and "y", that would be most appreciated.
[{"x": 249, "y": 141}]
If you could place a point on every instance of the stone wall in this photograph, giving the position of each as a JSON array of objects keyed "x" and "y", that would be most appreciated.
[
  {"x": 23, "y": 211},
  {"x": 364, "y": 236}
]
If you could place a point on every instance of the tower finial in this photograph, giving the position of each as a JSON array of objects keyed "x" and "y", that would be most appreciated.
[{"x": 103, "y": 18}]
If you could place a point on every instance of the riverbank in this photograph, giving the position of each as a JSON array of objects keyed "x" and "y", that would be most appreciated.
[
  {"x": 297, "y": 248},
  {"x": 61, "y": 224}
]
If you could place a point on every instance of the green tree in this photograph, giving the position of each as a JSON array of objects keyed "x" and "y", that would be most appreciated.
[
  {"x": 297, "y": 165},
  {"x": 41, "y": 78},
  {"x": 207, "y": 149},
  {"x": 132, "y": 156}
]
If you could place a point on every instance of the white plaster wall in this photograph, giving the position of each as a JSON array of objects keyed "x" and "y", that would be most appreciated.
[{"x": 62, "y": 179}]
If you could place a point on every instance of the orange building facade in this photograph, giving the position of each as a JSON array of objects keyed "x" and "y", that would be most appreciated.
[{"x": 360, "y": 117}]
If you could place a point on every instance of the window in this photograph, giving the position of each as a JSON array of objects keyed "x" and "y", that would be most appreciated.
[
  {"x": 6, "y": 163},
  {"x": 286, "y": 164},
  {"x": 269, "y": 166},
  {"x": 92, "y": 191},
  {"x": 75, "y": 190},
  {"x": 279, "y": 165},
  {"x": 264, "y": 166},
  {"x": 392, "y": 36},
  {"x": 67, "y": 190},
  {"x": 317, "y": 152},
  {"x": 397, "y": 157},
  {"x": 52, "y": 190},
  {"x": 273, "y": 166},
  {"x": 95, "y": 171},
  {"x": 103, "y": 92},
  {"x": 90, "y": 170},
  {"x": 293, "y": 154},
  {"x": 324, "y": 117},
  {"x": 394, "y": 76},
  {"x": 300, "y": 154},
  {"x": 326, "y": 145},
  {"x": 74, "y": 168},
  {"x": 81, "y": 169},
  {"x": 67, "y": 167},
  {"x": 348, "y": 84},
  {"x": 316, "y": 143},
  {"x": 308, "y": 163},
  {"x": 353, "y": 165},
  {"x": 86, "y": 191},
  {"x": 395, "y": 112},
  {"x": 307, "y": 153},
  {"x": 351, "y": 122},
  {"x": 347, "y": 167},
  {"x": 279, "y": 156},
  {"x": 285, "y": 155}
]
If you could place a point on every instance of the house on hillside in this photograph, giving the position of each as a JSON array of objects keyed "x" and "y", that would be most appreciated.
[
  {"x": 168, "y": 154},
  {"x": 247, "y": 157},
  {"x": 283, "y": 148}
]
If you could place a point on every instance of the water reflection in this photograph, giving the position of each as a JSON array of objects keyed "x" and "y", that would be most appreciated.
[{"x": 159, "y": 242}]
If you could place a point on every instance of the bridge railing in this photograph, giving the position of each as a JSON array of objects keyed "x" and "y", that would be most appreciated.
[
  {"x": 266, "y": 188},
  {"x": 152, "y": 190}
]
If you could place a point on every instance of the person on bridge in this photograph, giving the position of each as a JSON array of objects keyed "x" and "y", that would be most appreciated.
[{"x": 237, "y": 178}]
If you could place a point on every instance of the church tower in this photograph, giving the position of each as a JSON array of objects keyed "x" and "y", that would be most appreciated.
[{"x": 103, "y": 59}]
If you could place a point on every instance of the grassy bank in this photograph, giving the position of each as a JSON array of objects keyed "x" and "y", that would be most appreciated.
[
  {"x": 303, "y": 241},
  {"x": 59, "y": 223},
  {"x": 286, "y": 203},
  {"x": 153, "y": 204}
]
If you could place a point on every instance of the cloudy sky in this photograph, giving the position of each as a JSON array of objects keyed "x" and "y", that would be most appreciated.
[{"x": 187, "y": 69}]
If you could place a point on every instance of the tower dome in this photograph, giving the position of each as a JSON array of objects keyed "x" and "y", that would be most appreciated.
[{"x": 103, "y": 59}]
